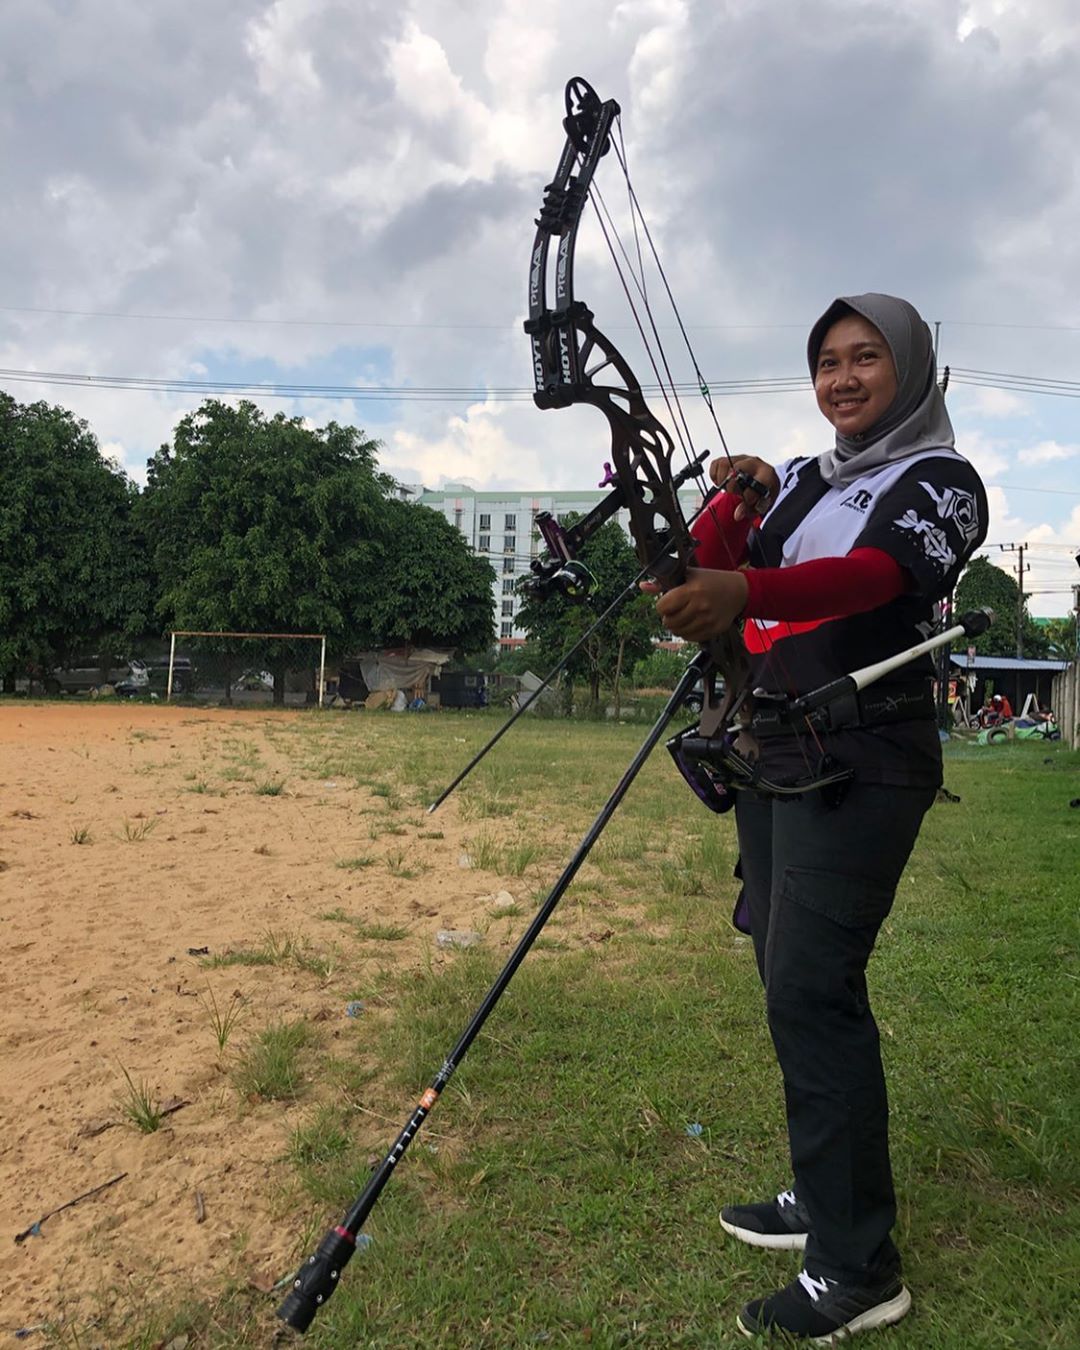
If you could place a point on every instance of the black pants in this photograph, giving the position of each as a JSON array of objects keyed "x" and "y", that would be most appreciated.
[{"x": 819, "y": 883}]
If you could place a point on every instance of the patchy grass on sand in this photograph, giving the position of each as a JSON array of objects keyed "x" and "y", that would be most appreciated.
[{"x": 263, "y": 971}]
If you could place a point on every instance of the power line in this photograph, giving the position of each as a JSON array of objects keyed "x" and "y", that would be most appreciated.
[
  {"x": 1071, "y": 548},
  {"x": 776, "y": 384},
  {"x": 1048, "y": 492},
  {"x": 265, "y": 321},
  {"x": 1020, "y": 384},
  {"x": 337, "y": 323},
  {"x": 368, "y": 393},
  {"x": 1033, "y": 327}
]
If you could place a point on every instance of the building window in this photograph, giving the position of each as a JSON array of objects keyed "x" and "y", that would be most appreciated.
[
  {"x": 507, "y": 630},
  {"x": 510, "y": 523},
  {"x": 484, "y": 543},
  {"x": 485, "y": 522},
  {"x": 508, "y": 607},
  {"x": 457, "y": 517},
  {"x": 508, "y": 586},
  {"x": 508, "y": 564},
  {"x": 509, "y": 543}
]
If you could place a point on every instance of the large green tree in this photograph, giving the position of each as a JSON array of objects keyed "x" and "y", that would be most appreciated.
[
  {"x": 73, "y": 577},
  {"x": 554, "y": 623},
  {"x": 265, "y": 524},
  {"x": 428, "y": 588},
  {"x": 983, "y": 584}
]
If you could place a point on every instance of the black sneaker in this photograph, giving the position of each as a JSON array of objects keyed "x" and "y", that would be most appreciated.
[
  {"x": 780, "y": 1223},
  {"x": 823, "y": 1311}
]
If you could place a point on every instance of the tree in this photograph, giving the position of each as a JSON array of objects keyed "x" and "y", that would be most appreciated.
[
  {"x": 72, "y": 572},
  {"x": 554, "y": 623},
  {"x": 268, "y": 525},
  {"x": 428, "y": 588},
  {"x": 263, "y": 525},
  {"x": 662, "y": 669},
  {"x": 1061, "y": 638},
  {"x": 983, "y": 584}
]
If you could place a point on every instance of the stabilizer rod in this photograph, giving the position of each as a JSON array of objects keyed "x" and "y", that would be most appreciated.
[{"x": 971, "y": 624}]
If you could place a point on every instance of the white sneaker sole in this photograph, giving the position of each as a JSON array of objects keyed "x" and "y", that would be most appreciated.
[
  {"x": 884, "y": 1315},
  {"x": 786, "y": 1242}
]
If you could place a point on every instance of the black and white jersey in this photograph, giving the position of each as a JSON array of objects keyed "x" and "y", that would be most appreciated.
[{"x": 929, "y": 513}]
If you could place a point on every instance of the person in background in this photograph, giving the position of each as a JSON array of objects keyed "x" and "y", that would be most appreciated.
[{"x": 833, "y": 562}]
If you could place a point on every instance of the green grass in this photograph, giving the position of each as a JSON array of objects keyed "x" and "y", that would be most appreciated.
[
  {"x": 511, "y": 859},
  {"x": 275, "y": 949},
  {"x": 378, "y": 932},
  {"x": 223, "y": 1020},
  {"x": 270, "y": 1068},
  {"x": 136, "y": 831},
  {"x": 555, "y": 1197},
  {"x": 138, "y": 1105},
  {"x": 400, "y": 863}
]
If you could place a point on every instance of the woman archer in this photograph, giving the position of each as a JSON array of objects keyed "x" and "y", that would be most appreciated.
[{"x": 838, "y": 564}]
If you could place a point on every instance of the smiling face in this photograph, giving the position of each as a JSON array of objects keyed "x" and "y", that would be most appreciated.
[{"x": 855, "y": 381}]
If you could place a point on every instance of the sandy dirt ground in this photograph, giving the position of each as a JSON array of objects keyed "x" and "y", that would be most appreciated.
[{"x": 98, "y": 975}]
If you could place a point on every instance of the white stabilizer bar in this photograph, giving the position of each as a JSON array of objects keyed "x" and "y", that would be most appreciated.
[{"x": 868, "y": 674}]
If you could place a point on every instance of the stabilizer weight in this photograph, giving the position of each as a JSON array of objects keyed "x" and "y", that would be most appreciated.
[{"x": 317, "y": 1279}]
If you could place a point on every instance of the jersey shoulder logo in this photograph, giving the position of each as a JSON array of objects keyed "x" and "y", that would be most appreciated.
[
  {"x": 859, "y": 501},
  {"x": 934, "y": 540},
  {"x": 957, "y": 506}
]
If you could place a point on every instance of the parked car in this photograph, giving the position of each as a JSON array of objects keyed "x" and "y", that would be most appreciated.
[
  {"x": 93, "y": 673},
  {"x": 137, "y": 676}
]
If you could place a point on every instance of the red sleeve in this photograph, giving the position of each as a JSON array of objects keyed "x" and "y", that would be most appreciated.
[
  {"x": 721, "y": 539},
  {"x": 827, "y": 588}
]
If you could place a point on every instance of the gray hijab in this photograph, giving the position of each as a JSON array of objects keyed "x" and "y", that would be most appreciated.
[{"x": 916, "y": 419}]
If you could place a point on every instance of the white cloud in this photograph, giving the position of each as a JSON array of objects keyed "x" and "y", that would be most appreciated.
[
  {"x": 995, "y": 403},
  {"x": 475, "y": 447},
  {"x": 1046, "y": 452}
]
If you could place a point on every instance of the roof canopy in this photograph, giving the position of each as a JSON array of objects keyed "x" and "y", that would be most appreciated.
[{"x": 1005, "y": 663}]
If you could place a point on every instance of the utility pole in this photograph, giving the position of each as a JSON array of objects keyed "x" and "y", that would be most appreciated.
[
  {"x": 1076, "y": 613},
  {"x": 1021, "y": 568},
  {"x": 944, "y": 669}
]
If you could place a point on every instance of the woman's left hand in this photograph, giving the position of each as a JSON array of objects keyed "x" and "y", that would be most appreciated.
[{"x": 704, "y": 606}]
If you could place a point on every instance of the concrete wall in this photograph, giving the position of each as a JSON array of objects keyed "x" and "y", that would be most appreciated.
[{"x": 1066, "y": 704}]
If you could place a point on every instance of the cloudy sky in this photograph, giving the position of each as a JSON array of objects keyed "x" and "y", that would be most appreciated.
[{"x": 341, "y": 193}]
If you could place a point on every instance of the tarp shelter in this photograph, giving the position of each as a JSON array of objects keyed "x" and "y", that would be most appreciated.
[
  {"x": 409, "y": 669},
  {"x": 1013, "y": 676}
]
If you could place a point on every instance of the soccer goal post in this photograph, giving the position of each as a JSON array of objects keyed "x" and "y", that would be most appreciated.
[{"x": 193, "y": 632}]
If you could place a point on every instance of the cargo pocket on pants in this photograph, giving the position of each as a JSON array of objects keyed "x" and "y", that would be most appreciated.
[{"x": 851, "y": 901}]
